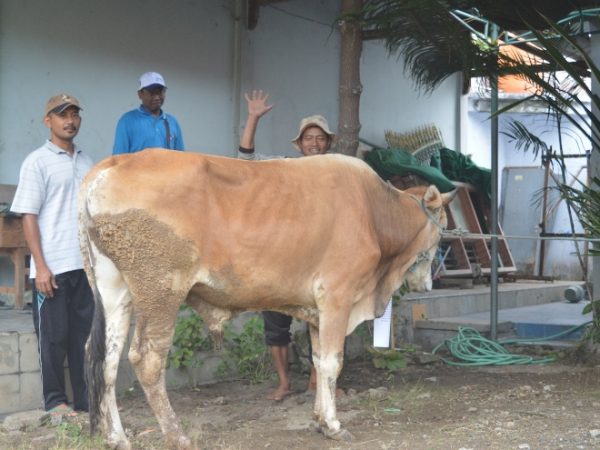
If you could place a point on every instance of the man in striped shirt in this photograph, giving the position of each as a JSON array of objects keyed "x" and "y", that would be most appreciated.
[{"x": 62, "y": 303}]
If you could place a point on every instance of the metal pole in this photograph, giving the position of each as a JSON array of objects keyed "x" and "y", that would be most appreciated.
[
  {"x": 494, "y": 200},
  {"x": 546, "y": 159}
]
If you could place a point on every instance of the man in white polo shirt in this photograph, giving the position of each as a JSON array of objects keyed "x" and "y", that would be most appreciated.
[{"x": 63, "y": 304}]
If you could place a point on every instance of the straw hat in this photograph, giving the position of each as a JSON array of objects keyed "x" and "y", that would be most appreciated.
[{"x": 312, "y": 121}]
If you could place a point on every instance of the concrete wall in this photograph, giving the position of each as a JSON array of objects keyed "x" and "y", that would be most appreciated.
[
  {"x": 293, "y": 54},
  {"x": 391, "y": 101},
  {"x": 97, "y": 50},
  {"x": 561, "y": 260},
  {"x": 20, "y": 381}
]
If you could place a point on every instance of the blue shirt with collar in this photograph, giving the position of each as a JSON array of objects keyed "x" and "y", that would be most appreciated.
[{"x": 138, "y": 129}]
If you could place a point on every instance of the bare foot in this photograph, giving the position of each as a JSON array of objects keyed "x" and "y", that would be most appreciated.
[{"x": 279, "y": 394}]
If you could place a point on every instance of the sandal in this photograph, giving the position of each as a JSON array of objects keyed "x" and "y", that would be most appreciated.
[{"x": 62, "y": 410}]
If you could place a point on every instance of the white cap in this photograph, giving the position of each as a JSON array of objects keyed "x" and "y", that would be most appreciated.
[{"x": 151, "y": 79}]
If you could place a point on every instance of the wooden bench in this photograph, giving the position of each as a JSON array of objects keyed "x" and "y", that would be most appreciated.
[{"x": 12, "y": 243}]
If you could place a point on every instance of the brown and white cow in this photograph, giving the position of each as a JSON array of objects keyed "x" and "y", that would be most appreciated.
[{"x": 323, "y": 239}]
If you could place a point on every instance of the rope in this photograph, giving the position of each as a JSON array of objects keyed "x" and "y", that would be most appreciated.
[{"x": 472, "y": 349}]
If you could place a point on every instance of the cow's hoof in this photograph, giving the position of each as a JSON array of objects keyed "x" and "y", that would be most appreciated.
[
  {"x": 340, "y": 435},
  {"x": 315, "y": 426},
  {"x": 180, "y": 443},
  {"x": 118, "y": 442},
  {"x": 119, "y": 445}
]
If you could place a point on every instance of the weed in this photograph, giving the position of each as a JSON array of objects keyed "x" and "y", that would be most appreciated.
[
  {"x": 246, "y": 352},
  {"x": 593, "y": 333},
  {"x": 190, "y": 337},
  {"x": 391, "y": 360},
  {"x": 70, "y": 436}
]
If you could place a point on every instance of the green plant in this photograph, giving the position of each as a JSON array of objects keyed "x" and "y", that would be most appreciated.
[
  {"x": 364, "y": 331},
  {"x": 69, "y": 430},
  {"x": 70, "y": 435},
  {"x": 391, "y": 360},
  {"x": 401, "y": 292},
  {"x": 190, "y": 337},
  {"x": 593, "y": 333},
  {"x": 246, "y": 352}
]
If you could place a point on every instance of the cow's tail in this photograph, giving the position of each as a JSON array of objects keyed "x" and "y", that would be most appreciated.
[{"x": 95, "y": 354}]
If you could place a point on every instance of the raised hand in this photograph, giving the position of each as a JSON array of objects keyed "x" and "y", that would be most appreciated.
[{"x": 257, "y": 103}]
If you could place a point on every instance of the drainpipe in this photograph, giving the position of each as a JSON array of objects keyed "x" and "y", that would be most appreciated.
[
  {"x": 238, "y": 17},
  {"x": 459, "y": 114}
]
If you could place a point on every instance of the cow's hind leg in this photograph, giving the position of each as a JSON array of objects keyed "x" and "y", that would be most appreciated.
[
  {"x": 107, "y": 338},
  {"x": 150, "y": 345},
  {"x": 316, "y": 352}
]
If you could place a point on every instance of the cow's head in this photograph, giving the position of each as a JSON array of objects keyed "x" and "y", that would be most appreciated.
[{"x": 418, "y": 275}]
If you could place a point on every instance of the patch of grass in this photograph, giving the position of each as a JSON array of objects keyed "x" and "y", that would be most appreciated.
[{"x": 70, "y": 436}]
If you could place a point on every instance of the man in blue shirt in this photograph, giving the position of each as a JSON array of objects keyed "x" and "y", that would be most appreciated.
[{"x": 148, "y": 126}]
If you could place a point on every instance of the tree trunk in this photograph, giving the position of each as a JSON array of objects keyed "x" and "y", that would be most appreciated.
[{"x": 350, "y": 87}]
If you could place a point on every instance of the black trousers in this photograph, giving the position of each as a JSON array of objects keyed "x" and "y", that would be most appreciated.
[
  {"x": 277, "y": 328},
  {"x": 277, "y": 331},
  {"x": 62, "y": 324}
]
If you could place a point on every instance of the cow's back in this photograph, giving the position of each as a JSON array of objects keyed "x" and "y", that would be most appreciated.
[{"x": 185, "y": 190}]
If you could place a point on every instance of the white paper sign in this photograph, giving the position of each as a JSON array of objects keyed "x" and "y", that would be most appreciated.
[{"x": 382, "y": 327}]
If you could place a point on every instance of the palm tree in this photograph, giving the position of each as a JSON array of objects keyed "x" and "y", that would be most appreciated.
[
  {"x": 434, "y": 46},
  {"x": 565, "y": 103}
]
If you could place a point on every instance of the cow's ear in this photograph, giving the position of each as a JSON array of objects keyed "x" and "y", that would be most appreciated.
[
  {"x": 448, "y": 196},
  {"x": 432, "y": 197}
]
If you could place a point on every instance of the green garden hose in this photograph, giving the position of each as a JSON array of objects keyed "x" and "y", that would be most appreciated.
[{"x": 472, "y": 349}]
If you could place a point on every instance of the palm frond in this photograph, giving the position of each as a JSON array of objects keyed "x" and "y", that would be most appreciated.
[
  {"x": 431, "y": 42},
  {"x": 586, "y": 202},
  {"x": 563, "y": 97},
  {"x": 524, "y": 139}
]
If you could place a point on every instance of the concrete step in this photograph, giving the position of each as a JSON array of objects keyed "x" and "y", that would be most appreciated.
[
  {"x": 525, "y": 310},
  {"x": 558, "y": 321},
  {"x": 457, "y": 302},
  {"x": 538, "y": 321}
]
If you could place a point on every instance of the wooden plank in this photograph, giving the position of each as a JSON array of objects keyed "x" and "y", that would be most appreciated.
[
  {"x": 468, "y": 212},
  {"x": 18, "y": 257},
  {"x": 11, "y": 232}
]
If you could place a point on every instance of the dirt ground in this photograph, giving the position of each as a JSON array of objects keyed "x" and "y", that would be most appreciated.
[{"x": 434, "y": 406}]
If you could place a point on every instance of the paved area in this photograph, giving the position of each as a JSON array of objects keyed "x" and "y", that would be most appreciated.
[
  {"x": 12, "y": 320},
  {"x": 561, "y": 320}
]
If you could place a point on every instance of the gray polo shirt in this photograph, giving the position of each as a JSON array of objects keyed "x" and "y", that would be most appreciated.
[{"x": 49, "y": 187}]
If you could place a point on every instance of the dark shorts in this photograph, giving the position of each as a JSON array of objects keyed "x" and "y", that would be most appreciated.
[{"x": 277, "y": 328}]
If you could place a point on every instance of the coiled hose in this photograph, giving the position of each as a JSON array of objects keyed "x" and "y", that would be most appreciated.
[{"x": 469, "y": 348}]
